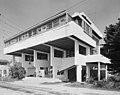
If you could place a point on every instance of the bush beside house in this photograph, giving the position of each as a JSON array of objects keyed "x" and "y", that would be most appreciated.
[{"x": 17, "y": 72}]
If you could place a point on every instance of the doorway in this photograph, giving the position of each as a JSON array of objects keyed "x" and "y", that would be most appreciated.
[{"x": 72, "y": 74}]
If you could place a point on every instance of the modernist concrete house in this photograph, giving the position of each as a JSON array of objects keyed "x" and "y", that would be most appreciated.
[{"x": 60, "y": 45}]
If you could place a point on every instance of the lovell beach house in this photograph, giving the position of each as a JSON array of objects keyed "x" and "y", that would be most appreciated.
[{"x": 62, "y": 45}]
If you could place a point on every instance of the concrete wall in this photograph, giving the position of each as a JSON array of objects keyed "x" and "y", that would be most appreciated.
[
  {"x": 67, "y": 62},
  {"x": 66, "y": 30},
  {"x": 41, "y": 63}
]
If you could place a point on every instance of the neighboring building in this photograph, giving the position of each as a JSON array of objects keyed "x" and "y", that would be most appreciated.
[
  {"x": 4, "y": 68},
  {"x": 60, "y": 45}
]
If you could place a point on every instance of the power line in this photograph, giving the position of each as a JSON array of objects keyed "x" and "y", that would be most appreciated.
[
  {"x": 76, "y": 4},
  {"x": 4, "y": 33},
  {"x": 12, "y": 26},
  {"x": 6, "y": 18}
]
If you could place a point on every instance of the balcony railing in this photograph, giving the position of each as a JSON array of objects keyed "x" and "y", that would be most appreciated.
[{"x": 46, "y": 25}]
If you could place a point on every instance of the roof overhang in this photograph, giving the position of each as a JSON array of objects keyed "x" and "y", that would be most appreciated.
[
  {"x": 97, "y": 58},
  {"x": 63, "y": 31}
]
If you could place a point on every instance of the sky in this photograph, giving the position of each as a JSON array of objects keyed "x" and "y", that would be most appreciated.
[{"x": 18, "y": 15}]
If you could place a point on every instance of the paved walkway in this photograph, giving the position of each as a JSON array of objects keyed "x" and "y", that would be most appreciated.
[{"x": 39, "y": 86}]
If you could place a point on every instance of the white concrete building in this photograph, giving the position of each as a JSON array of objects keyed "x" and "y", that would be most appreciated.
[
  {"x": 61, "y": 45},
  {"x": 4, "y": 68}
]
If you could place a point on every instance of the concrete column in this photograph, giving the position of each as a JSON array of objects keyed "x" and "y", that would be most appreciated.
[
  {"x": 79, "y": 73},
  {"x": 106, "y": 72},
  {"x": 35, "y": 59},
  {"x": 87, "y": 71},
  {"x": 13, "y": 60},
  {"x": 66, "y": 74},
  {"x": 64, "y": 55},
  {"x": 51, "y": 55},
  {"x": 98, "y": 71},
  {"x": 53, "y": 72},
  {"x": 51, "y": 60},
  {"x": 23, "y": 59},
  {"x": 76, "y": 48}
]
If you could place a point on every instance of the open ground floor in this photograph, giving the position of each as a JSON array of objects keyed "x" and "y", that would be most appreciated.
[{"x": 68, "y": 59}]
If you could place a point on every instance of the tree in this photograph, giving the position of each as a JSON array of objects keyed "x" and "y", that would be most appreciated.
[
  {"x": 111, "y": 48},
  {"x": 17, "y": 72}
]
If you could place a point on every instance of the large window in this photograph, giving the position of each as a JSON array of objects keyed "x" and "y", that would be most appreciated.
[
  {"x": 56, "y": 22},
  {"x": 86, "y": 27},
  {"x": 58, "y": 53},
  {"x": 42, "y": 56},
  {"x": 29, "y": 58},
  {"x": 82, "y": 50}
]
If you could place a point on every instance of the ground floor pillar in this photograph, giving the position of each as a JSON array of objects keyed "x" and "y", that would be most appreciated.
[
  {"x": 13, "y": 60},
  {"x": 79, "y": 73},
  {"x": 106, "y": 72},
  {"x": 87, "y": 72},
  {"x": 35, "y": 61},
  {"x": 98, "y": 71},
  {"x": 23, "y": 59}
]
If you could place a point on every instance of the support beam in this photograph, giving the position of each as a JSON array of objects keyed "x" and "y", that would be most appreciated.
[
  {"x": 51, "y": 61},
  {"x": 13, "y": 60},
  {"x": 106, "y": 72},
  {"x": 87, "y": 71},
  {"x": 23, "y": 59},
  {"x": 79, "y": 73},
  {"x": 98, "y": 71},
  {"x": 35, "y": 61}
]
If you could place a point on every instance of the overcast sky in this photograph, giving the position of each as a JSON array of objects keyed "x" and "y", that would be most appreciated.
[{"x": 20, "y": 14}]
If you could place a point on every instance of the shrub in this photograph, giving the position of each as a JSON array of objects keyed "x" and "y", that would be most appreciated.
[
  {"x": 113, "y": 82},
  {"x": 17, "y": 72},
  {"x": 115, "y": 78},
  {"x": 100, "y": 83},
  {"x": 90, "y": 80}
]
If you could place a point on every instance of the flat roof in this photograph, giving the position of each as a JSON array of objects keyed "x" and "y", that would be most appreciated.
[{"x": 38, "y": 24}]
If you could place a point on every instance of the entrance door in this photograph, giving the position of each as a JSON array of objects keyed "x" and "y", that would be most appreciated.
[{"x": 72, "y": 74}]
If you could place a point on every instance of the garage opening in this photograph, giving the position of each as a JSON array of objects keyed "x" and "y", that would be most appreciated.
[{"x": 72, "y": 74}]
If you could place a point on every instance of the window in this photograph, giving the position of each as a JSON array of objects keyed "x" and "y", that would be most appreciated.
[
  {"x": 38, "y": 30},
  {"x": 69, "y": 54},
  {"x": 34, "y": 32},
  {"x": 42, "y": 56},
  {"x": 56, "y": 22},
  {"x": 63, "y": 19},
  {"x": 44, "y": 27},
  {"x": 86, "y": 28},
  {"x": 5, "y": 72},
  {"x": 58, "y": 53},
  {"x": 82, "y": 50},
  {"x": 29, "y": 58},
  {"x": 49, "y": 25}
]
